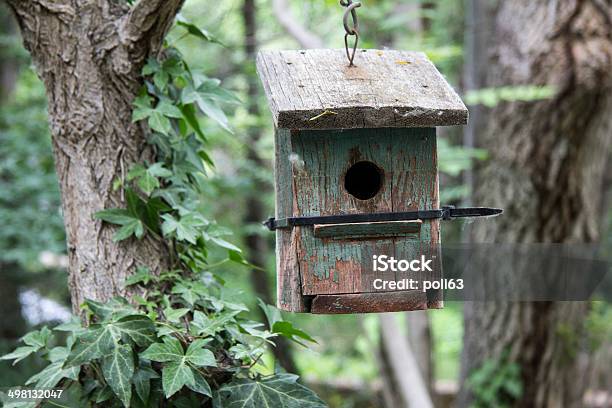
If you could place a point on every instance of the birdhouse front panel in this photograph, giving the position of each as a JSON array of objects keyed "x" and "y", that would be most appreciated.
[
  {"x": 355, "y": 159},
  {"x": 355, "y": 172}
]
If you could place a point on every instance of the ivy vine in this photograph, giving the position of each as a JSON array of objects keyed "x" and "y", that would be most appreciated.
[{"x": 181, "y": 342}]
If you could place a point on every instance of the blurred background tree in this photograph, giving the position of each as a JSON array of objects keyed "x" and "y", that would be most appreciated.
[
  {"x": 347, "y": 367},
  {"x": 32, "y": 232}
]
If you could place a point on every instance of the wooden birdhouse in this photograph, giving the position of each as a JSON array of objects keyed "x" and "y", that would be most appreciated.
[{"x": 356, "y": 176}]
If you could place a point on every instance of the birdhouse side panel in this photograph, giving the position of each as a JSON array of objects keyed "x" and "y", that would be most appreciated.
[{"x": 289, "y": 282}]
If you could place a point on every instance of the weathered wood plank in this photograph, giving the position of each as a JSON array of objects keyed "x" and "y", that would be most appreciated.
[
  {"x": 409, "y": 196},
  {"x": 371, "y": 230},
  {"x": 380, "y": 302},
  {"x": 316, "y": 89},
  {"x": 289, "y": 282}
]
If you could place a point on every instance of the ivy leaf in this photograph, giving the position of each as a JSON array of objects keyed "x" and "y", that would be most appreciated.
[
  {"x": 200, "y": 384},
  {"x": 207, "y": 105},
  {"x": 142, "y": 107},
  {"x": 183, "y": 229},
  {"x": 175, "y": 375},
  {"x": 148, "y": 183},
  {"x": 196, "y": 31},
  {"x": 118, "y": 369},
  {"x": 142, "y": 382},
  {"x": 58, "y": 354},
  {"x": 174, "y": 315},
  {"x": 169, "y": 350},
  {"x": 103, "y": 394},
  {"x": 224, "y": 244},
  {"x": 273, "y": 315},
  {"x": 200, "y": 356},
  {"x": 139, "y": 328},
  {"x": 189, "y": 114},
  {"x": 19, "y": 354},
  {"x": 161, "y": 79},
  {"x": 205, "y": 326},
  {"x": 134, "y": 227},
  {"x": 52, "y": 374},
  {"x": 281, "y": 390},
  {"x": 73, "y": 326},
  {"x": 159, "y": 122},
  {"x": 142, "y": 275},
  {"x": 166, "y": 108},
  {"x": 115, "y": 308},
  {"x": 37, "y": 339},
  {"x": 91, "y": 345},
  {"x": 287, "y": 330},
  {"x": 212, "y": 89},
  {"x": 237, "y": 257},
  {"x": 116, "y": 216},
  {"x": 130, "y": 224},
  {"x": 158, "y": 170},
  {"x": 186, "y": 293}
]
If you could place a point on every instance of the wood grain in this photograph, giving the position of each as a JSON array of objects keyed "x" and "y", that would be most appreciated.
[
  {"x": 368, "y": 230},
  {"x": 315, "y": 89},
  {"x": 370, "y": 302},
  {"x": 289, "y": 284}
]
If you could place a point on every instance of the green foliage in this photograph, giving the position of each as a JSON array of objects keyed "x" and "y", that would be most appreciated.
[
  {"x": 280, "y": 390},
  {"x": 491, "y": 97},
  {"x": 30, "y": 199},
  {"x": 598, "y": 325},
  {"x": 183, "y": 342},
  {"x": 497, "y": 383},
  {"x": 454, "y": 159}
]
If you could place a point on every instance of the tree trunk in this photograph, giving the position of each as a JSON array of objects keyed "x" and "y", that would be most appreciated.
[
  {"x": 255, "y": 208},
  {"x": 547, "y": 160},
  {"x": 419, "y": 339},
  {"x": 479, "y": 20},
  {"x": 400, "y": 368},
  {"x": 12, "y": 323},
  {"x": 89, "y": 55},
  {"x": 9, "y": 65}
]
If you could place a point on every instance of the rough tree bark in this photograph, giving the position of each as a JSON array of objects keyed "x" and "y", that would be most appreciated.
[
  {"x": 255, "y": 209},
  {"x": 89, "y": 55},
  {"x": 546, "y": 166},
  {"x": 9, "y": 65}
]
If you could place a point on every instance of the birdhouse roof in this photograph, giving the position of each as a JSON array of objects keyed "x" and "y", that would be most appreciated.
[{"x": 316, "y": 89}]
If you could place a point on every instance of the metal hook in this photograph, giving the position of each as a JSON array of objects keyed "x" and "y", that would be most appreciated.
[
  {"x": 350, "y": 8},
  {"x": 351, "y": 55}
]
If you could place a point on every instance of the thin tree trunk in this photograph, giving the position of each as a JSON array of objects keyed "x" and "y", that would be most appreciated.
[
  {"x": 427, "y": 7},
  {"x": 9, "y": 65},
  {"x": 546, "y": 166},
  {"x": 286, "y": 19},
  {"x": 12, "y": 323},
  {"x": 89, "y": 55},
  {"x": 479, "y": 18},
  {"x": 419, "y": 339},
  {"x": 255, "y": 209},
  {"x": 409, "y": 387}
]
